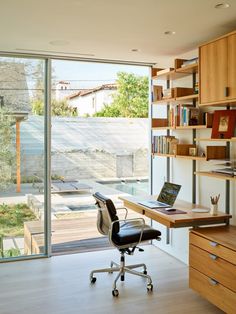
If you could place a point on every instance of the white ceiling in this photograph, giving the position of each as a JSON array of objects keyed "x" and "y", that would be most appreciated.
[{"x": 109, "y": 29}]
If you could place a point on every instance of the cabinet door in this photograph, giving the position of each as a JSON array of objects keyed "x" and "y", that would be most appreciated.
[
  {"x": 232, "y": 66},
  {"x": 213, "y": 71}
]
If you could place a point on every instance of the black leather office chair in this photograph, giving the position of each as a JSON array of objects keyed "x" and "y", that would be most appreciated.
[{"x": 125, "y": 234}]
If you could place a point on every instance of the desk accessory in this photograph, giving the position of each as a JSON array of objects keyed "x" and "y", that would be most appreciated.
[{"x": 214, "y": 204}]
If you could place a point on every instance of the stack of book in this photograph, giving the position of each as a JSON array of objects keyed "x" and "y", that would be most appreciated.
[
  {"x": 183, "y": 115},
  {"x": 164, "y": 144},
  {"x": 230, "y": 169}
]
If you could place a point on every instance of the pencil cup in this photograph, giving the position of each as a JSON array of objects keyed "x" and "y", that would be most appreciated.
[{"x": 214, "y": 209}]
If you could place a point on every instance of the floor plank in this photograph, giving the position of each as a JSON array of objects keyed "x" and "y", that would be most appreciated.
[{"x": 60, "y": 285}]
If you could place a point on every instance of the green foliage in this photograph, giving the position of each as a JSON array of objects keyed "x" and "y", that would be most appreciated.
[
  {"x": 7, "y": 152},
  {"x": 58, "y": 107},
  {"x": 12, "y": 218},
  {"x": 131, "y": 99}
]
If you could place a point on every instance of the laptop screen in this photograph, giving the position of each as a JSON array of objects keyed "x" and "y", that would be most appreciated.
[{"x": 169, "y": 193}]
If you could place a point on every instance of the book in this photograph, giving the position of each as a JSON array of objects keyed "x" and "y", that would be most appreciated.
[{"x": 190, "y": 61}]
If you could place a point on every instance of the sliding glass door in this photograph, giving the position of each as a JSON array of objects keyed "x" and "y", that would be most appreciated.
[{"x": 22, "y": 157}]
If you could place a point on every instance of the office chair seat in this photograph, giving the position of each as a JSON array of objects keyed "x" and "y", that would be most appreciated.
[
  {"x": 125, "y": 235},
  {"x": 130, "y": 233}
]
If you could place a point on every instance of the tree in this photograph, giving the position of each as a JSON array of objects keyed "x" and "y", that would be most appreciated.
[
  {"x": 59, "y": 108},
  {"x": 6, "y": 149},
  {"x": 131, "y": 99}
]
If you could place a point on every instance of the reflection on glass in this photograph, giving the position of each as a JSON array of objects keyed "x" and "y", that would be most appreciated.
[{"x": 21, "y": 157}]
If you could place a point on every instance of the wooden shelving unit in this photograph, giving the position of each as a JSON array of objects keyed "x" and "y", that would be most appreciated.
[{"x": 215, "y": 175}]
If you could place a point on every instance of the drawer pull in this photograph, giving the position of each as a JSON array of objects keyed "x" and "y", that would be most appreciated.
[
  {"x": 214, "y": 244},
  {"x": 213, "y": 282},
  {"x": 226, "y": 91},
  {"x": 212, "y": 256}
]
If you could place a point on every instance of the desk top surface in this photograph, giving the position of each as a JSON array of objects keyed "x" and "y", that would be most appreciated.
[{"x": 187, "y": 219}]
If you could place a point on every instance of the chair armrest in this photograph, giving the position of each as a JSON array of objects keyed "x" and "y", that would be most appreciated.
[
  {"x": 140, "y": 223},
  {"x": 126, "y": 211}
]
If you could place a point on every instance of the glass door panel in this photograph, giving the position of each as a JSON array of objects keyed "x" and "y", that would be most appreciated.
[{"x": 22, "y": 157}]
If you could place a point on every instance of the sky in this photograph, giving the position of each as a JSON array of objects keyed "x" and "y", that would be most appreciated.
[{"x": 91, "y": 74}]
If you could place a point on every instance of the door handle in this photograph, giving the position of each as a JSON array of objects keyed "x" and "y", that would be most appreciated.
[
  {"x": 226, "y": 91},
  {"x": 213, "y": 257},
  {"x": 213, "y": 282},
  {"x": 214, "y": 244}
]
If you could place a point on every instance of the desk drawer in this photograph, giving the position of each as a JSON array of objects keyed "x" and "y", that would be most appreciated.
[
  {"x": 213, "y": 266},
  {"x": 214, "y": 292},
  {"x": 213, "y": 247}
]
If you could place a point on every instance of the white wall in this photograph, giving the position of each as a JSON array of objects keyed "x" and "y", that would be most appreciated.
[
  {"x": 181, "y": 173},
  {"x": 91, "y": 103}
]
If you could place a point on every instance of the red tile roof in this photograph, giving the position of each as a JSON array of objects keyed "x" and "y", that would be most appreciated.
[{"x": 93, "y": 90}]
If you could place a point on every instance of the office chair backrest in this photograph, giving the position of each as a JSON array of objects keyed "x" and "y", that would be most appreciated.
[{"x": 106, "y": 214}]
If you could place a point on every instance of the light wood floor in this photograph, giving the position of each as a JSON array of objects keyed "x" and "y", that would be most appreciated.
[{"x": 61, "y": 285}]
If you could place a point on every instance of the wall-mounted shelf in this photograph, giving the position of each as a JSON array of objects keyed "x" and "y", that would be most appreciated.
[
  {"x": 164, "y": 101},
  {"x": 192, "y": 157},
  {"x": 187, "y": 127},
  {"x": 163, "y": 155},
  {"x": 172, "y": 100},
  {"x": 224, "y": 103},
  {"x": 188, "y": 69},
  {"x": 163, "y": 128},
  {"x": 189, "y": 97},
  {"x": 192, "y": 127},
  {"x": 181, "y": 156},
  {"x": 215, "y": 175},
  {"x": 170, "y": 74},
  {"x": 215, "y": 139}
]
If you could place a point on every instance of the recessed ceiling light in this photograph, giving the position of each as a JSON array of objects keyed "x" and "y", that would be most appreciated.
[
  {"x": 169, "y": 33},
  {"x": 134, "y": 50},
  {"x": 222, "y": 6},
  {"x": 59, "y": 42}
]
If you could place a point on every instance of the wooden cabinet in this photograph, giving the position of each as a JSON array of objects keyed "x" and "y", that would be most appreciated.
[
  {"x": 212, "y": 261},
  {"x": 217, "y": 71},
  {"x": 232, "y": 66}
]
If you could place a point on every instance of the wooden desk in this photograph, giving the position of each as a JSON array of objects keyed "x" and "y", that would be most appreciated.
[{"x": 179, "y": 220}]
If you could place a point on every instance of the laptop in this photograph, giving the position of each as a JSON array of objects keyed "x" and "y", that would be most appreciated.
[{"x": 166, "y": 198}]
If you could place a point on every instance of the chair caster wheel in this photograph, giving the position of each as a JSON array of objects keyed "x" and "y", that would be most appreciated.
[
  {"x": 145, "y": 272},
  {"x": 149, "y": 287},
  {"x": 115, "y": 293},
  {"x": 93, "y": 279},
  {"x": 122, "y": 278}
]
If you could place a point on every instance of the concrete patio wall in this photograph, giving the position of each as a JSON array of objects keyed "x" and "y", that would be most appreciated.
[{"x": 84, "y": 148}]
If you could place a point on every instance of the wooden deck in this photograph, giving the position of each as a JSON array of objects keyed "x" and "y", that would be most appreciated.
[{"x": 68, "y": 235}]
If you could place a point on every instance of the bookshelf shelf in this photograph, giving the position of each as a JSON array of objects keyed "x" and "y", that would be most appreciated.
[
  {"x": 215, "y": 175},
  {"x": 163, "y": 155},
  {"x": 188, "y": 69},
  {"x": 191, "y": 157},
  {"x": 189, "y": 97},
  {"x": 170, "y": 74},
  {"x": 192, "y": 127},
  {"x": 163, "y": 101},
  {"x": 172, "y": 100},
  {"x": 165, "y": 74},
  {"x": 215, "y": 139},
  {"x": 163, "y": 128}
]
